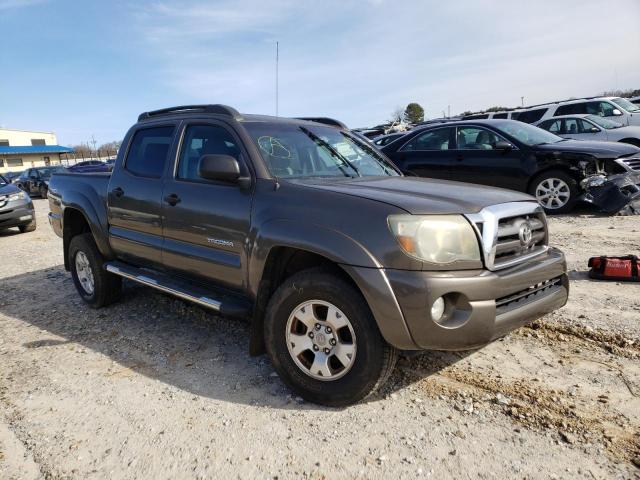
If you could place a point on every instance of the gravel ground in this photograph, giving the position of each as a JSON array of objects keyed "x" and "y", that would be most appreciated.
[{"x": 156, "y": 388}]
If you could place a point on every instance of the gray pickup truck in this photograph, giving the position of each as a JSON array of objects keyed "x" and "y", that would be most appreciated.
[{"x": 336, "y": 258}]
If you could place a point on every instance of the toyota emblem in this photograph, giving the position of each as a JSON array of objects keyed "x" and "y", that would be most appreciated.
[{"x": 525, "y": 234}]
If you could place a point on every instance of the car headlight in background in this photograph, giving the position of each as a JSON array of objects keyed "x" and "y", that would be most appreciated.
[
  {"x": 17, "y": 196},
  {"x": 440, "y": 239}
]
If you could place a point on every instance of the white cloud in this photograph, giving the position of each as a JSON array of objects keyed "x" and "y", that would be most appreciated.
[{"x": 358, "y": 61}]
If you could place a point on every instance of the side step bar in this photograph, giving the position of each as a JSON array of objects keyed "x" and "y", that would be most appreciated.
[{"x": 223, "y": 303}]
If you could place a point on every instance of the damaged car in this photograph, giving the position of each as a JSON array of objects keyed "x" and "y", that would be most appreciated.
[{"x": 510, "y": 154}]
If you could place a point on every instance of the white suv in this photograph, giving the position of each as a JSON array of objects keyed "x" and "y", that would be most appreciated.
[{"x": 591, "y": 127}]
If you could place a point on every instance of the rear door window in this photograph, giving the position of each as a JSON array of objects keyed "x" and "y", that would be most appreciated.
[
  {"x": 571, "y": 109},
  {"x": 148, "y": 153},
  {"x": 531, "y": 116},
  {"x": 437, "y": 139}
]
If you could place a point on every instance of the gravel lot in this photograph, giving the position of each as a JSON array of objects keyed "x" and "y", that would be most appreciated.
[{"x": 156, "y": 388}]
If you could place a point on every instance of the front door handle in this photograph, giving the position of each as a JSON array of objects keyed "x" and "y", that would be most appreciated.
[
  {"x": 172, "y": 199},
  {"x": 118, "y": 192}
]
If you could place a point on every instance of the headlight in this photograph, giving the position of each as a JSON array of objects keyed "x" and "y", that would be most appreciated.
[
  {"x": 438, "y": 239},
  {"x": 17, "y": 196}
]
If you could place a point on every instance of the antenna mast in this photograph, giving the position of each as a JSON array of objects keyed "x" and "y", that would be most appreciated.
[{"x": 277, "y": 61}]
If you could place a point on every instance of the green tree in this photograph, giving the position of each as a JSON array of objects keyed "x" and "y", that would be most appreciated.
[{"x": 414, "y": 113}]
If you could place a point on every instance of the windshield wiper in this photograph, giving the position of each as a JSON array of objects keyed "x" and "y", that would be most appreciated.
[{"x": 333, "y": 152}]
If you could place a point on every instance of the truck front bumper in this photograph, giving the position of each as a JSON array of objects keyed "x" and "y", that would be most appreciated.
[{"x": 480, "y": 305}]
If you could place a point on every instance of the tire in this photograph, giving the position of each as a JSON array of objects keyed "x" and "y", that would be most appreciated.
[
  {"x": 558, "y": 184},
  {"x": 319, "y": 291},
  {"x": 44, "y": 191},
  {"x": 29, "y": 227},
  {"x": 106, "y": 287}
]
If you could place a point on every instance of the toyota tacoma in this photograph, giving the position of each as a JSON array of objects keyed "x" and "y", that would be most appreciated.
[{"x": 337, "y": 259}]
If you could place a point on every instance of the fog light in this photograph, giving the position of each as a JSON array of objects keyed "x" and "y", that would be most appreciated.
[
  {"x": 437, "y": 309},
  {"x": 26, "y": 217}
]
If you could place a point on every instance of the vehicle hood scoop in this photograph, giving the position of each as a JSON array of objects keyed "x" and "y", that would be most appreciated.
[{"x": 420, "y": 195}]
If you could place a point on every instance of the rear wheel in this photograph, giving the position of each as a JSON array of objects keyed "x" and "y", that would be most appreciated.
[
  {"x": 556, "y": 191},
  {"x": 96, "y": 286},
  {"x": 323, "y": 340}
]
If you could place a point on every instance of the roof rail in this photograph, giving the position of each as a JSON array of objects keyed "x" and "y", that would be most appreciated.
[
  {"x": 214, "y": 108},
  {"x": 326, "y": 120}
]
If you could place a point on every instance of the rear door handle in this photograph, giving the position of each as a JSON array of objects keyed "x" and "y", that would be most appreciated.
[
  {"x": 118, "y": 192},
  {"x": 172, "y": 199}
]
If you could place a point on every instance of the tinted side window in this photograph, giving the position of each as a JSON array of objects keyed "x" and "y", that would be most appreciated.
[
  {"x": 531, "y": 116},
  {"x": 585, "y": 127},
  {"x": 571, "y": 125},
  {"x": 553, "y": 126},
  {"x": 148, "y": 152},
  {"x": 432, "y": 140},
  {"x": 571, "y": 109},
  {"x": 204, "y": 140},
  {"x": 501, "y": 115}
]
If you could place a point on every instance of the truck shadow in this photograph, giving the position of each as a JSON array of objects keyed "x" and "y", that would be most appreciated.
[{"x": 155, "y": 335}]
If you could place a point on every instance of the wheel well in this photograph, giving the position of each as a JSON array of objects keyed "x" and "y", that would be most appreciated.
[
  {"x": 282, "y": 263},
  {"x": 631, "y": 141},
  {"x": 74, "y": 223}
]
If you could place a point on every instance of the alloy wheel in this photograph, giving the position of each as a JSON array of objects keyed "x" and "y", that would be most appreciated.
[
  {"x": 84, "y": 273},
  {"x": 553, "y": 193}
]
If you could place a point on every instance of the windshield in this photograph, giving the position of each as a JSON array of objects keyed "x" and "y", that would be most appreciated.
[
  {"x": 527, "y": 134},
  {"x": 626, "y": 104},
  {"x": 46, "y": 172},
  {"x": 603, "y": 122},
  {"x": 294, "y": 150},
  {"x": 3, "y": 181}
]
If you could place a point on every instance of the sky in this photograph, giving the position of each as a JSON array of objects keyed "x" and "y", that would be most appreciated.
[{"x": 85, "y": 69}]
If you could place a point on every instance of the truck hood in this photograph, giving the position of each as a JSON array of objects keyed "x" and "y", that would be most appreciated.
[
  {"x": 594, "y": 148},
  {"x": 419, "y": 195}
]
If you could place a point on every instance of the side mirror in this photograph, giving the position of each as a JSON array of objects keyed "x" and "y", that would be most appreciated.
[
  {"x": 223, "y": 168},
  {"x": 616, "y": 112},
  {"x": 502, "y": 145},
  {"x": 594, "y": 129}
]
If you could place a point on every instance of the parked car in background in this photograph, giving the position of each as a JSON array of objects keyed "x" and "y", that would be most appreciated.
[
  {"x": 518, "y": 156},
  {"x": 591, "y": 127},
  {"x": 16, "y": 208},
  {"x": 12, "y": 177},
  {"x": 336, "y": 258},
  {"x": 614, "y": 108},
  {"x": 635, "y": 100},
  {"x": 383, "y": 140},
  {"x": 35, "y": 181},
  {"x": 89, "y": 166}
]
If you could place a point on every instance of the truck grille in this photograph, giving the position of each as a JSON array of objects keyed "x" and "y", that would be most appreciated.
[
  {"x": 530, "y": 294},
  {"x": 631, "y": 163},
  {"x": 511, "y": 233}
]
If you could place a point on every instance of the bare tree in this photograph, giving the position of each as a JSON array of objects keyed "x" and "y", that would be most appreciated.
[{"x": 397, "y": 115}]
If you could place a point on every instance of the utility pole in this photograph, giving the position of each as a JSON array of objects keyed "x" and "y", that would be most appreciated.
[
  {"x": 522, "y": 101},
  {"x": 277, "y": 62},
  {"x": 448, "y": 111}
]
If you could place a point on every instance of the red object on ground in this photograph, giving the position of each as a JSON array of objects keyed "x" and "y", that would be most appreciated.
[{"x": 614, "y": 268}]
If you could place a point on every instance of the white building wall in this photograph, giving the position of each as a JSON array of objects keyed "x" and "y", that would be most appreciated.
[{"x": 18, "y": 138}]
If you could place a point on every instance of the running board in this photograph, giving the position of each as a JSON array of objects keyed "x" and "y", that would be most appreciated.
[{"x": 223, "y": 303}]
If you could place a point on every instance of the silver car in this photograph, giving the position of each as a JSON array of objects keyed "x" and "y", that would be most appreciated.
[{"x": 591, "y": 127}]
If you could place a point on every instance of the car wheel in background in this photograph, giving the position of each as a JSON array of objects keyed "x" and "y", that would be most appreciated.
[
  {"x": 555, "y": 190},
  {"x": 96, "y": 286},
  {"x": 44, "y": 191},
  {"x": 28, "y": 227},
  {"x": 631, "y": 141},
  {"x": 323, "y": 341}
]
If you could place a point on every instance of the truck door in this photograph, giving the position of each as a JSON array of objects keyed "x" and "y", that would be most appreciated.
[
  {"x": 135, "y": 195},
  {"x": 206, "y": 223}
]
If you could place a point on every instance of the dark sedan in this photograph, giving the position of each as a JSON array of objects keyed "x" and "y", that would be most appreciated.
[
  {"x": 518, "y": 156},
  {"x": 16, "y": 208},
  {"x": 90, "y": 166},
  {"x": 35, "y": 181}
]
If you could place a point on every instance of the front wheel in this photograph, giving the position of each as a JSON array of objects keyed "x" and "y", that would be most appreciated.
[
  {"x": 44, "y": 191},
  {"x": 323, "y": 340},
  {"x": 29, "y": 227},
  {"x": 556, "y": 191}
]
